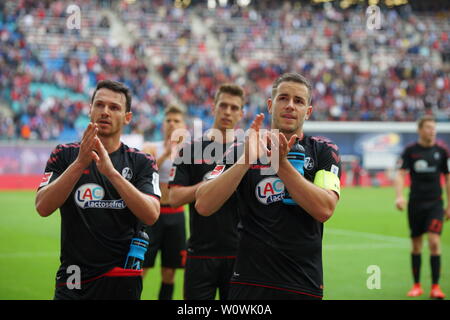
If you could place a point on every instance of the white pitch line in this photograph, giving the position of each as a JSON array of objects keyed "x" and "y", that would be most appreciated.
[
  {"x": 367, "y": 235},
  {"x": 374, "y": 236},
  {"x": 364, "y": 246}
]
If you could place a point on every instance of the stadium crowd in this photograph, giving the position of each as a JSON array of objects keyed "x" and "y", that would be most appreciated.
[{"x": 397, "y": 73}]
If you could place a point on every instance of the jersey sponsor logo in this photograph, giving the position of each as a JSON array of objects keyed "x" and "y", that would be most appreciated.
[
  {"x": 46, "y": 179},
  {"x": 90, "y": 196},
  {"x": 421, "y": 166},
  {"x": 127, "y": 173},
  {"x": 217, "y": 171},
  {"x": 270, "y": 190},
  {"x": 309, "y": 163}
]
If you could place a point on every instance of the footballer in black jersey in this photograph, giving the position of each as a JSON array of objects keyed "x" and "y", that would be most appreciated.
[
  {"x": 105, "y": 192},
  {"x": 280, "y": 249},
  {"x": 214, "y": 236},
  {"x": 425, "y": 161},
  {"x": 213, "y": 241}
]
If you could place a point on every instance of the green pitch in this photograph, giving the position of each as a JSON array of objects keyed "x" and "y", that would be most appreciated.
[{"x": 365, "y": 231}]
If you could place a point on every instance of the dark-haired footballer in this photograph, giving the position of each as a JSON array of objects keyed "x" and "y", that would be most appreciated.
[
  {"x": 105, "y": 191},
  {"x": 280, "y": 249},
  {"x": 425, "y": 160},
  {"x": 213, "y": 241}
]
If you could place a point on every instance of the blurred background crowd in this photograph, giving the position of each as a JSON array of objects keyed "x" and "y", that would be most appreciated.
[{"x": 181, "y": 51}]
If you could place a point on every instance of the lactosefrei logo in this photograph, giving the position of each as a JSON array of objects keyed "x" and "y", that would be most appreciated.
[{"x": 91, "y": 195}]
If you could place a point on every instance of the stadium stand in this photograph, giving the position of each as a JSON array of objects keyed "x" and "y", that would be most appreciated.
[{"x": 166, "y": 54}]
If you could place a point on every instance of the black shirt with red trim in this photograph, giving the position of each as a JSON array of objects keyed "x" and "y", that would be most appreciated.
[
  {"x": 216, "y": 235},
  {"x": 96, "y": 224},
  {"x": 425, "y": 165},
  {"x": 281, "y": 245}
]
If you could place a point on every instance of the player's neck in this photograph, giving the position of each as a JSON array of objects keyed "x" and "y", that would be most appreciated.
[
  {"x": 288, "y": 135},
  {"x": 426, "y": 143},
  {"x": 221, "y": 135},
  {"x": 111, "y": 144}
]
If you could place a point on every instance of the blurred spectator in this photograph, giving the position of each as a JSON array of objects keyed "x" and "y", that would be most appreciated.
[{"x": 397, "y": 73}]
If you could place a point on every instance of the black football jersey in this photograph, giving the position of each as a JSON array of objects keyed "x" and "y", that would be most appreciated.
[
  {"x": 96, "y": 224},
  {"x": 281, "y": 245},
  {"x": 425, "y": 165},
  {"x": 215, "y": 235}
]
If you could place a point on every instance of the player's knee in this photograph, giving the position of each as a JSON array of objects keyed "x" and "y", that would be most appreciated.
[
  {"x": 434, "y": 244},
  {"x": 168, "y": 275},
  {"x": 417, "y": 245}
]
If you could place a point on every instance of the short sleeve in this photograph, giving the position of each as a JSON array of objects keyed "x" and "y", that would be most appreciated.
[
  {"x": 329, "y": 159},
  {"x": 180, "y": 173},
  {"x": 56, "y": 165},
  {"x": 405, "y": 160},
  {"x": 147, "y": 180}
]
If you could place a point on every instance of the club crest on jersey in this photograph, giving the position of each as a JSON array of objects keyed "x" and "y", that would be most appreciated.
[
  {"x": 91, "y": 195},
  {"x": 270, "y": 190},
  {"x": 309, "y": 163},
  {"x": 127, "y": 173}
]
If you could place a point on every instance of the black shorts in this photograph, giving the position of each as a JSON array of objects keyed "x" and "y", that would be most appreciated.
[
  {"x": 240, "y": 291},
  {"x": 204, "y": 276},
  {"x": 425, "y": 216},
  {"x": 114, "y": 285},
  {"x": 168, "y": 234}
]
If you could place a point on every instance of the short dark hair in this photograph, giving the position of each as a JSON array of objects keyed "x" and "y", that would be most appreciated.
[
  {"x": 292, "y": 77},
  {"x": 116, "y": 87},
  {"x": 424, "y": 119},
  {"x": 173, "y": 108},
  {"x": 232, "y": 89}
]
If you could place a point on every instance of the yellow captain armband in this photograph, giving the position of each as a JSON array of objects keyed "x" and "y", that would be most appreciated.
[{"x": 328, "y": 180}]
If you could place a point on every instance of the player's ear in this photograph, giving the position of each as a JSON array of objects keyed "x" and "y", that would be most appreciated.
[
  {"x": 213, "y": 109},
  {"x": 128, "y": 117},
  {"x": 308, "y": 112},
  {"x": 269, "y": 105},
  {"x": 241, "y": 113}
]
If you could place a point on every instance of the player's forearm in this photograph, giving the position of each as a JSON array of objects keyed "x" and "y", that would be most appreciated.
[
  {"x": 399, "y": 182},
  {"x": 211, "y": 195},
  {"x": 318, "y": 202},
  {"x": 53, "y": 196},
  {"x": 144, "y": 207},
  {"x": 181, "y": 195}
]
